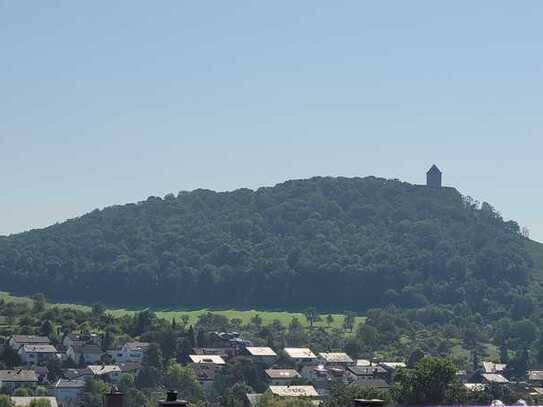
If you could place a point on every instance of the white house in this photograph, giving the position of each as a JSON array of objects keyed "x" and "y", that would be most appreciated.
[
  {"x": 36, "y": 355},
  {"x": 131, "y": 352},
  {"x": 67, "y": 391}
]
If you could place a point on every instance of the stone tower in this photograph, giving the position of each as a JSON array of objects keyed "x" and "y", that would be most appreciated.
[{"x": 433, "y": 177}]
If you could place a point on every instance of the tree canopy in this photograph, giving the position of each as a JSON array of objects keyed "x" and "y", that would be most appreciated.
[{"x": 339, "y": 243}]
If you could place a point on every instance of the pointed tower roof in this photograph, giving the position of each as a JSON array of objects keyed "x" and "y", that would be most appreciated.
[{"x": 434, "y": 170}]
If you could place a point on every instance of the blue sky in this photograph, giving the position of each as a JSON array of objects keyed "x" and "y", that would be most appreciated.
[{"x": 109, "y": 102}]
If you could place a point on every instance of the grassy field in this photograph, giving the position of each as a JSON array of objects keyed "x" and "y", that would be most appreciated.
[{"x": 244, "y": 315}]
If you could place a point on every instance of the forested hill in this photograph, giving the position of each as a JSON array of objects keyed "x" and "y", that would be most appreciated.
[{"x": 334, "y": 243}]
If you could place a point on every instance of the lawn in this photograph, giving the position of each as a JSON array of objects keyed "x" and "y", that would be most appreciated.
[{"x": 244, "y": 315}]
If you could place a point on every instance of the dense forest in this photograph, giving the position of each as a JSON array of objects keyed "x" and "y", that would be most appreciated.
[{"x": 333, "y": 243}]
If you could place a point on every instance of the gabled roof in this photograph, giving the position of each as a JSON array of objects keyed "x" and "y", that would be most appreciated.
[
  {"x": 294, "y": 391},
  {"x": 335, "y": 357},
  {"x": 535, "y": 375},
  {"x": 260, "y": 351},
  {"x": 31, "y": 339},
  {"x": 18, "y": 375},
  {"x": 434, "y": 170},
  {"x": 69, "y": 384},
  {"x": 99, "y": 370},
  {"x": 494, "y": 378},
  {"x": 39, "y": 348},
  {"x": 86, "y": 348},
  {"x": 300, "y": 353},
  {"x": 282, "y": 373},
  {"x": 208, "y": 359},
  {"x": 366, "y": 370}
]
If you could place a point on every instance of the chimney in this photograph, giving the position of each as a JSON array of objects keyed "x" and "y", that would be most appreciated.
[
  {"x": 114, "y": 398},
  {"x": 171, "y": 400}
]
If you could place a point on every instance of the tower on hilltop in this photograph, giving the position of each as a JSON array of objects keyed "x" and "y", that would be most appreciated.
[{"x": 433, "y": 177}]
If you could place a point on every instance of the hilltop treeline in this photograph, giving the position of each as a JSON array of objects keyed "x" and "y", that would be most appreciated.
[{"x": 334, "y": 243}]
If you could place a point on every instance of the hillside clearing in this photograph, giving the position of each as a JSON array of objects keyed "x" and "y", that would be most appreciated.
[{"x": 244, "y": 315}]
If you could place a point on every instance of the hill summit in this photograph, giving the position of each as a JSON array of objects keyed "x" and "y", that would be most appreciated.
[{"x": 333, "y": 243}]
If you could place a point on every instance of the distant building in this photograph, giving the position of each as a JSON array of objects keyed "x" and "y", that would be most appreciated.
[
  {"x": 13, "y": 379},
  {"x": 262, "y": 354},
  {"x": 67, "y": 391},
  {"x": 36, "y": 355},
  {"x": 301, "y": 356},
  {"x": 90, "y": 353},
  {"x": 131, "y": 352},
  {"x": 16, "y": 341},
  {"x": 282, "y": 377},
  {"x": 433, "y": 177},
  {"x": 340, "y": 359}
]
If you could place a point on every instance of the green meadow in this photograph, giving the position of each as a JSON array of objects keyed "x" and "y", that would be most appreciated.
[{"x": 244, "y": 315}]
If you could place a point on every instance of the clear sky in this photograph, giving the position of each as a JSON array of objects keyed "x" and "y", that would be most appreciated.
[{"x": 107, "y": 102}]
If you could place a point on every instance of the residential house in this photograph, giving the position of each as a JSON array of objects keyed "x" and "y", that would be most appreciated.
[
  {"x": 307, "y": 392},
  {"x": 13, "y": 379},
  {"x": 206, "y": 373},
  {"x": 90, "y": 338},
  {"x": 262, "y": 354},
  {"x": 301, "y": 356},
  {"x": 84, "y": 353},
  {"x": 130, "y": 352},
  {"x": 282, "y": 377},
  {"x": 355, "y": 373},
  {"x": 27, "y": 401},
  {"x": 67, "y": 392},
  {"x": 337, "y": 359},
  {"x": 36, "y": 355},
  {"x": 362, "y": 362},
  {"x": 16, "y": 341},
  {"x": 317, "y": 375},
  {"x": 110, "y": 373},
  {"x": 207, "y": 359}
]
